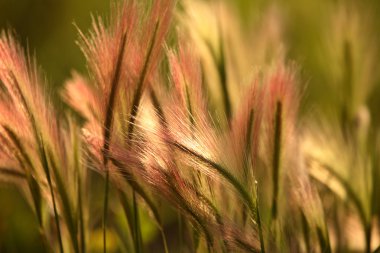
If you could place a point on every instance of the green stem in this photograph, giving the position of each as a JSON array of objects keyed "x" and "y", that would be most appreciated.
[
  {"x": 81, "y": 219},
  {"x": 368, "y": 238},
  {"x": 9, "y": 172},
  {"x": 323, "y": 241},
  {"x": 180, "y": 228},
  {"x": 224, "y": 85},
  {"x": 261, "y": 236},
  {"x": 137, "y": 232},
  {"x": 77, "y": 169},
  {"x": 132, "y": 118},
  {"x": 47, "y": 172},
  {"x": 187, "y": 207},
  {"x": 276, "y": 158},
  {"x": 306, "y": 232},
  {"x": 105, "y": 212},
  {"x": 223, "y": 172},
  {"x": 222, "y": 71},
  {"x": 140, "y": 85},
  {"x": 141, "y": 192},
  {"x": 107, "y": 132},
  {"x": 357, "y": 203},
  {"x": 33, "y": 185},
  {"x": 44, "y": 239},
  {"x": 42, "y": 154}
]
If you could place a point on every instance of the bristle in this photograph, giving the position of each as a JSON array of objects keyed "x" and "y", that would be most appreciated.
[
  {"x": 243, "y": 139},
  {"x": 81, "y": 96},
  {"x": 102, "y": 46},
  {"x": 186, "y": 77},
  {"x": 281, "y": 105},
  {"x": 159, "y": 175}
]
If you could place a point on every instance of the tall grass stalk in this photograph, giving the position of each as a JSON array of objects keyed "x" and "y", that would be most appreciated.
[
  {"x": 224, "y": 173},
  {"x": 108, "y": 131},
  {"x": 48, "y": 177},
  {"x": 135, "y": 107},
  {"x": 33, "y": 185},
  {"x": 258, "y": 220},
  {"x": 79, "y": 184},
  {"x": 67, "y": 211},
  {"x": 276, "y": 158},
  {"x": 353, "y": 197}
]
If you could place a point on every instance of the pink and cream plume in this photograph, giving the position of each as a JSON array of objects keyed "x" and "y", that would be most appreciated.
[
  {"x": 163, "y": 172},
  {"x": 21, "y": 99}
]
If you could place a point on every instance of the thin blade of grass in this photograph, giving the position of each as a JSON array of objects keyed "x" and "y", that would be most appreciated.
[
  {"x": 33, "y": 185},
  {"x": 48, "y": 177},
  {"x": 80, "y": 215},
  {"x": 355, "y": 200},
  {"x": 136, "y": 219},
  {"x": 222, "y": 71},
  {"x": 107, "y": 132},
  {"x": 276, "y": 159},
  {"x": 306, "y": 232},
  {"x": 142, "y": 193},
  {"x": 66, "y": 206},
  {"x": 216, "y": 214},
  {"x": 248, "y": 143},
  {"x": 223, "y": 172},
  {"x": 9, "y": 172},
  {"x": 247, "y": 247},
  {"x": 76, "y": 159},
  {"x": 35, "y": 189},
  {"x": 134, "y": 110},
  {"x": 158, "y": 107},
  {"x": 32, "y": 182},
  {"x": 247, "y": 150},
  {"x": 140, "y": 85},
  {"x": 193, "y": 213},
  {"x": 127, "y": 210},
  {"x": 261, "y": 234},
  {"x": 324, "y": 242}
]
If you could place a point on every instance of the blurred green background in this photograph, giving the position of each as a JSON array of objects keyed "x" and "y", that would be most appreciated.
[{"x": 47, "y": 28}]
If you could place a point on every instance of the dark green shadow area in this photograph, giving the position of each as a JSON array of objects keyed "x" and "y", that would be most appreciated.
[
  {"x": 47, "y": 27},
  {"x": 18, "y": 226}
]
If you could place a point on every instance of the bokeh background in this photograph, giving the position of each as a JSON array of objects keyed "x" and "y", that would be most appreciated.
[{"x": 309, "y": 36}]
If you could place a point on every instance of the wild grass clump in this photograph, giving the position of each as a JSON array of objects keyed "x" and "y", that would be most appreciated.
[{"x": 163, "y": 134}]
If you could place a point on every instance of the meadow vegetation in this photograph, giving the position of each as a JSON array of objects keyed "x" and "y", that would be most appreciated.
[{"x": 195, "y": 131}]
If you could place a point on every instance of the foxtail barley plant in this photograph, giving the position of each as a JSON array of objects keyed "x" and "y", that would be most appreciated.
[{"x": 193, "y": 129}]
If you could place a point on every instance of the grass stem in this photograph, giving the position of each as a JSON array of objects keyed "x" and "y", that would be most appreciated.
[
  {"x": 258, "y": 218},
  {"x": 276, "y": 158},
  {"x": 107, "y": 131}
]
